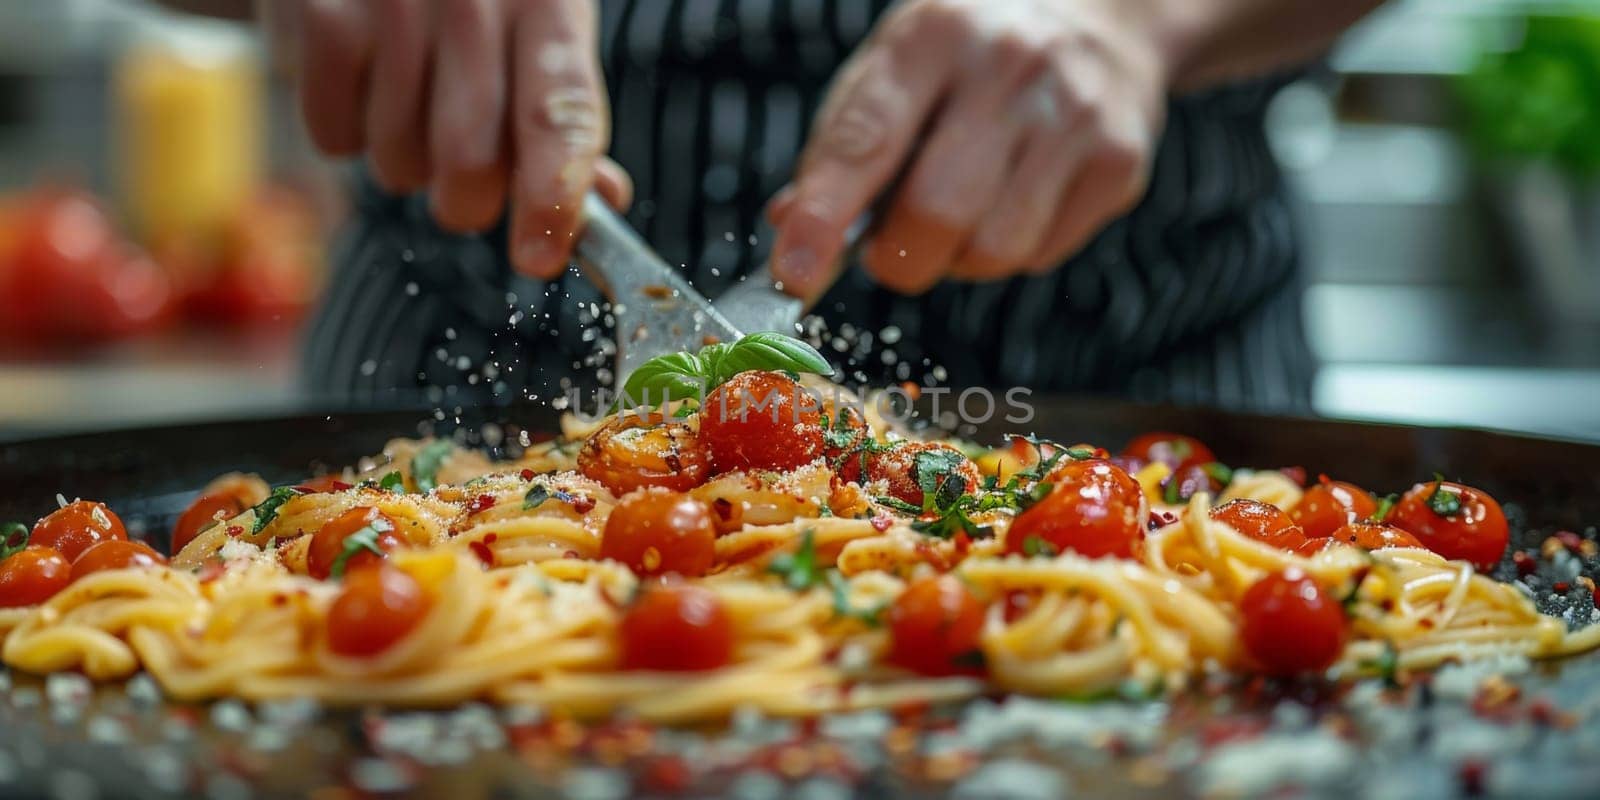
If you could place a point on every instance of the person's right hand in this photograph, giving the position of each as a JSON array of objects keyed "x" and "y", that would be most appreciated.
[{"x": 476, "y": 101}]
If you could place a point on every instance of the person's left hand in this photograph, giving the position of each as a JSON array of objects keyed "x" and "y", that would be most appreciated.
[{"x": 1025, "y": 126}]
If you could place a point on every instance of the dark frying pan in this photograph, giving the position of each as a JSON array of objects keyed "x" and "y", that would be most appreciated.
[{"x": 148, "y": 475}]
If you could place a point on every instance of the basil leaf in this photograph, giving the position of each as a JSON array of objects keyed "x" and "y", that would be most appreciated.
[
  {"x": 392, "y": 482},
  {"x": 363, "y": 539},
  {"x": 267, "y": 510},
  {"x": 765, "y": 351},
  {"x": 13, "y": 538},
  {"x": 425, "y": 464},
  {"x": 673, "y": 376},
  {"x": 799, "y": 569}
]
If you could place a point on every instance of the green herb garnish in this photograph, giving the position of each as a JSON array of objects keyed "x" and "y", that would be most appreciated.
[
  {"x": 538, "y": 493},
  {"x": 13, "y": 538},
  {"x": 688, "y": 376},
  {"x": 871, "y": 617},
  {"x": 267, "y": 510},
  {"x": 425, "y": 464},
  {"x": 392, "y": 482},
  {"x": 1035, "y": 546},
  {"x": 363, "y": 539},
  {"x": 1385, "y": 505},
  {"x": 798, "y": 569}
]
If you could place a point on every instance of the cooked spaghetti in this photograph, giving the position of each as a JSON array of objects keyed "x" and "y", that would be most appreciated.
[{"x": 682, "y": 566}]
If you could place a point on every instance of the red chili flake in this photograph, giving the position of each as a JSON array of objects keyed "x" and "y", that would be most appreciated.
[
  {"x": 1570, "y": 540},
  {"x": 1296, "y": 474},
  {"x": 583, "y": 504},
  {"x": 1596, "y": 594},
  {"x": 483, "y": 553},
  {"x": 527, "y": 474},
  {"x": 882, "y": 522},
  {"x": 235, "y": 530},
  {"x": 1561, "y": 587},
  {"x": 280, "y": 600},
  {"x": 1473, "y": 774},
  {"x": 667, "y": 774},
  {"x": 1526, "y": 564},
  {"x": 571, "y": 554},
  {"x": 491, "y": 538},
  {"x": 479, "y": 504}
]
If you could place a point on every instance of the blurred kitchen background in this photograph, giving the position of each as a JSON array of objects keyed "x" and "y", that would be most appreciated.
[{"x": 163, "y": 219}]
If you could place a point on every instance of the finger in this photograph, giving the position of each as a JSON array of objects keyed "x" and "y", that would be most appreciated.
[
  {"x": 1014, "y": 228},
  {"x": 1111, "y": 182},
  {"x": 858, "y": 144},
  {"x": 614, "y": 184},
  {"x": 466, "y": 113},
  {"x": 561, "y": 130},
  {"x": 780, "y": 205},
  {"x": 957, "y": 177},
  {"x": 396, "y": 132},
  {"x": 335, "y": 47}
]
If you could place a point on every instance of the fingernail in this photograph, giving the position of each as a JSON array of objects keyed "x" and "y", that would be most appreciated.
[{"x": 799, "y": 266}]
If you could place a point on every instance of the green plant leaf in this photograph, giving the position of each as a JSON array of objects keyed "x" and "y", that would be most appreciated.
[
  {"x": 363, "y": 539},
  {"x": 668, "y": 377},
  {"x": 13, "y": 538},
  {"x": 267, "y": 510},
  {"x": 425, "y": 464},
  {"x": 764, "y": 351}
]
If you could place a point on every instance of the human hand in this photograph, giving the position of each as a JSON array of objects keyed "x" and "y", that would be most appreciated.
[
  {"x": 1027, "y": 125},
  {"x": 474, "y": 101}
]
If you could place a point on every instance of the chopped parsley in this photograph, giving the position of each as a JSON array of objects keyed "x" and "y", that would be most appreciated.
[
  {"x": 390, "y": 482},
  {"x": 1386, "y": 665},
  {"x": 425, "y": 464},
  {"x": 267, "y": 510},
  {"x": 798, "y": 569},
  {"x": 13, "y": 538},
  {"x": 363, "y": 539},
  {"x": 1035, "y": 546},
  {"x": 1444, "y": 502},
  {"x": 1385, "y": 506}
]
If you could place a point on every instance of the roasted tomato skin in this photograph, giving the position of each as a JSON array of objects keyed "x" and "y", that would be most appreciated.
[
  {"x": 676, "y": 628},
  {"x": 327, "y": 544},
  {"x": 1330, "y": 505},
  {"x": 32, "y": 575},
  {"x": 1093, "y": 509},
  {"x": 657, "y": 531},
  {"x": 1365, "y": 535},
  {"x": 1173, "y": 449},
  {"x": 205, "y": 510},
  {"x": 1263, "y": 522},
  {"x": 323, "y": 484},
  {"x": 934, "y": 627},
  {"x": 76, "y": 527},
  {"x": 761, "y": 420},
  {"x": 1476, "y": 532},
  {"x": 897, "y": 468},
  {"x": 116, "y": 554},
  {"x": 1290, "y": 626},
  {"x": 633, "y": 451},
  {"x": 375, "y": 609}
]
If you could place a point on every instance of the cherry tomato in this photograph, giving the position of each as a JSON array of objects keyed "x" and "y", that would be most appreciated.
[
  {"x": 73, "y": 528},
  {"x": 206, "y": 510},
  {"x": 760, "y": 420},
  {"x": 1330, "y": 505},
  {"x": 1188, "y": 481},
  {"x": 328, "y": 543},
  {"x": 897, "y": 467},
  {"x": 32, "y": 575},
  {"x": 658, "y": 531},
  {"x": 1263, "y": 522},
  {"x": 1094, "y": 509},
  {"x": 1290, "y": 625},
  {"x": 116, "y": 554},
  {"x": 676, "y": 628},
  {"x": 375, "y": 609},
  {"x": 73, "y": 277},
  {"x": 1365, "y": 535},
  {"x": 1455, "y": 521},
  {"x": 323, "y": 484},
  {"x": 1173, "y": 449},
  {"x": 630, "y": 453},
  {"x": 934, "y": 626}
]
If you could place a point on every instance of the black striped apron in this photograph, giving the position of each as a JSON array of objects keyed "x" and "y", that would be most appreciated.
[{"x": 1191, "y": 298}]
